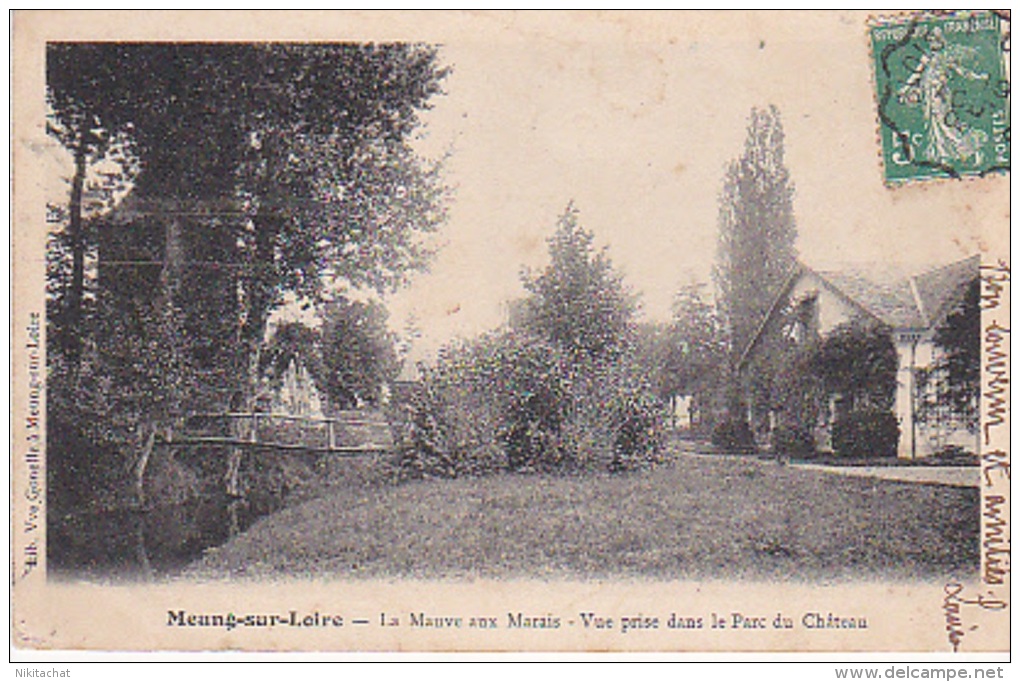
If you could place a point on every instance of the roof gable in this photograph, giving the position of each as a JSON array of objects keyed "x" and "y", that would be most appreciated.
[
  {"x": 883, "y": 292},
  {"x": 889, "y": 294}
]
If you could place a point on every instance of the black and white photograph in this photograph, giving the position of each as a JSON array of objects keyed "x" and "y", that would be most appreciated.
[{"x": 480, "y": 321}]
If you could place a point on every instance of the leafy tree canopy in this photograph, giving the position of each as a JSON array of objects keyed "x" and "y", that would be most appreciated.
[
  {"x": 858, "y": 363},
  {"x": 579, "y": 301},
  {"x": 255, "y": 170},
  {"x": 308, "y": 146},
  {"x": 359, "y": 352}
]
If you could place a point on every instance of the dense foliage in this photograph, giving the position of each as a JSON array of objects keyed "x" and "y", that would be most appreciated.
[
  {"x": 857, "y": 366},
  {"x": 559, "y": 390},
  {"x": 578, "y": 302},
  {"x": 858, "y": 363},
  {"x": 952, "y": 386},
  {"x": 846, "y": 379},
  {"x": 509, "y": 401},
  {"x": 865, "y": 432},
  {"x": 733, "y": 435},
  {"x": 358, "y": 351},
  {"x": 347, "y": 349},
  {"x": 686, "y": 357}
]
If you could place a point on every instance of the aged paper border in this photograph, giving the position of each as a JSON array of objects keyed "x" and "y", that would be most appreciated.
[{"x": 904, "y": 617}]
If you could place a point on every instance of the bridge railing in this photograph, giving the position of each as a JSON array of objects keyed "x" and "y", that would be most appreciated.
[{"x": 347, "y": 432}]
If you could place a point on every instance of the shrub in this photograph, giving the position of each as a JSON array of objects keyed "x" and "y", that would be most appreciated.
[
  {"x": 509, "y": 401},
  {"x": 859, "y": 364},
  {"x": 639, "y": 422},
  {"x": 790, "y": 441},
  {"x": 453, "y": 426},
  {"x": 533, "y": 403},
  {"x": 866, "y": 432},
  {"x": 733, "y": 435}
]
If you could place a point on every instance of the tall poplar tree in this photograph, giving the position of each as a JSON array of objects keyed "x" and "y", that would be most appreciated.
[{"x": 757, "y": 229}]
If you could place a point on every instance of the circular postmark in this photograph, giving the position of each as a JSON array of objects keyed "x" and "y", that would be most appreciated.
[{"x": 942, "y": 94}]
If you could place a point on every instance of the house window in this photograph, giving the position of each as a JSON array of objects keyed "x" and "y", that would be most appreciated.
[{"x": 801, "y": 318}]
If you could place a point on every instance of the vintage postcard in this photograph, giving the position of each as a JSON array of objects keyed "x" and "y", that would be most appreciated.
[{"x": 681, "y": 332}]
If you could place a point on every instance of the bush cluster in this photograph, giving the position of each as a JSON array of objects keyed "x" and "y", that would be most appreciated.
[
  {"x": 854, "y": 366},
  {"x": 793, "y": 441},
  {"x": 511, "y": 402},
  {"x": 733, "y": 435},
  {"x": 866, "y": 432}
]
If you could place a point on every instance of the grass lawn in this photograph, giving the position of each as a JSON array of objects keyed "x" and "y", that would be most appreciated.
[{"x": 694, "y": 517}]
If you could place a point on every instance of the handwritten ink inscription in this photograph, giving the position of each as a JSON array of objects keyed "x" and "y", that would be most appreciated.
[
  {"x": 995, "y": 463},
  {"x": 994, "y": 279},
  {"x": 953, "y": 604}
]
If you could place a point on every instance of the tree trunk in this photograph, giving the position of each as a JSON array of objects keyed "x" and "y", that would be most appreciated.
[
  {"x": 142, "y": 463},
  {"x": 256, "y": 298},
  {"x": 141, "y": 551},
  {"x": 169, "y": 280},
  {"x": 234, "y": 518},
  {"x": 76, "y": 288},
  {"x": 246, "y": 404},
  {"x": 173, "y": 257},
  {"x": 232, "y": 478}
]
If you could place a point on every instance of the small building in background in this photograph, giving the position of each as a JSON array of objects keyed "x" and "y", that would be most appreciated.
[
  {"x": 297, "y": 394},
  {"x": 813, "y": 303}
]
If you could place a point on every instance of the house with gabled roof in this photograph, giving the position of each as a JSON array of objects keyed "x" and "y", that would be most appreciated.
[{"x": 911, "y": 306}]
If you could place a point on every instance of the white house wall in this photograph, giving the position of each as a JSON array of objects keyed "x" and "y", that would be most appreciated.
[{"x": 911, "y": 443}]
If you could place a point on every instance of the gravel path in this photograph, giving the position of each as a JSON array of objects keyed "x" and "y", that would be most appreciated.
[{"x": 960, "y": 477}]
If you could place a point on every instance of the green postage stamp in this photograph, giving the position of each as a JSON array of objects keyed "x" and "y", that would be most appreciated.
[{"x": 943, "y": 94}]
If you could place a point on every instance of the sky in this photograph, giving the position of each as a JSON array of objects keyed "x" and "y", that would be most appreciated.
[
  {"x": 636, "y": 123},
  {"x": 634, "y": 117}
]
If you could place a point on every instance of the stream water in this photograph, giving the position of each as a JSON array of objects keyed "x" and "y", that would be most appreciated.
[{"x": 133, "y": 545}]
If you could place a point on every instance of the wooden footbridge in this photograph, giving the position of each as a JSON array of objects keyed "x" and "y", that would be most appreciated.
[{"x": 348, "y": 433}]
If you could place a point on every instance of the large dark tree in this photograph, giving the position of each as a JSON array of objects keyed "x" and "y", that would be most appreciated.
[
  {"x": 302, "y": 150},
  {"x": 82, "y": 118},
  {"x": 306, "y": 147},
  {"x": 757, "y": 229},
  {"x": 857, "y": 366},
  {"x": 262, "y": 169}
]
